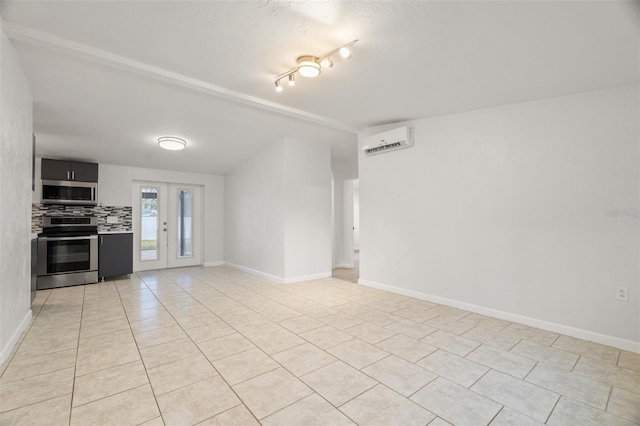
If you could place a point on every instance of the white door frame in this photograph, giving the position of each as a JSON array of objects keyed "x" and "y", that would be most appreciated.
[
  {"x": 161, "y": 254},
  {"x": 167, "y": 254},
  {"x": 173, "y": 260}
]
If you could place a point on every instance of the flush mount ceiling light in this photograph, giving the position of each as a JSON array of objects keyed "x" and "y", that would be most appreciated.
[
  {"x": 171, "y": 143},
  {"x": 311, "y": 66},
  {"x": 308, "y": 66}
]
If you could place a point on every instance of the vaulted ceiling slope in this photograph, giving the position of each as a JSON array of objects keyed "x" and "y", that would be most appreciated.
[{"x": 109, "y": 77}]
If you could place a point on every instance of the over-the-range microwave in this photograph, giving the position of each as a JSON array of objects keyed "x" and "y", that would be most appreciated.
[{"x": 69, "y": 192}]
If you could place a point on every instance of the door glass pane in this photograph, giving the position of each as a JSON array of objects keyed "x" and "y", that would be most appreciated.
[
  {"x": 185, "y": 216},
  {"x": 149, "y": 224}
]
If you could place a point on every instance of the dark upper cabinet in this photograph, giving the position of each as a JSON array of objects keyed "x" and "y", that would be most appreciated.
[
  {"x": 84, "y": 172},
  {"x": 115, "y": 255},
  {"x": 69, "y": 170},
  {"x": 55, "y": 169}
]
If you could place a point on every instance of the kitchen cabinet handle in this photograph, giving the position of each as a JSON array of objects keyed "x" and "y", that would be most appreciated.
[
  {"x": 73, "y": 175},
  {"x": 101, "y": 239},
  {"x": 68, "y": 175},
  {"x": 84, "y": 237}
]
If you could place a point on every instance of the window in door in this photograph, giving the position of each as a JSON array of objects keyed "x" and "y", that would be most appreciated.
[
  {"x": 149, "y": 224},
  {"x": 185, "y": 223}
]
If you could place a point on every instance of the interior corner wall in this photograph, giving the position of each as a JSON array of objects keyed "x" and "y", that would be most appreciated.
[
  {"x": 16, "y": 130},
  {"x": 254, "y": 203},
  {"x": 307, "y": 210},
  {"x": 343, "y": 173},
  {"x": 527, "y": 212},
  {"x": 277, "y": 212}
]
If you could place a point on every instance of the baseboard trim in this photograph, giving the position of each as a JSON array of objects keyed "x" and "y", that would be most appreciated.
[
  {"x": 579, "y": 333},
  {"x": 277, "y": 279},
  {"x": 307, "y": 278},
  {"x": 255, "y": 272},
  {"x": 217, "y": 263},
  {"x": 344, "y": 265},
  {"x": 8, "y": 347}
]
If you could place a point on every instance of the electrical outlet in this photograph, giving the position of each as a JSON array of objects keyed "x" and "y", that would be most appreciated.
[
  {"x": 622, "y": 293},
  {"x": 112, "y": 219}
]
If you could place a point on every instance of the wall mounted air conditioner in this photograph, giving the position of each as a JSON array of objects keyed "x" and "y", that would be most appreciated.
[{"x": 391, "y": 140}]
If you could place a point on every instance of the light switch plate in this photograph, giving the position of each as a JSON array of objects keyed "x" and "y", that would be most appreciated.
[{"x": 112, "y": 219}]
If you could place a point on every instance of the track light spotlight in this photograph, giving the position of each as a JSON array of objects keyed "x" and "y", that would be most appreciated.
[
  {"x": 278, "y": 86},
  {"x": 292, "y": 80},
  {"x": 326, "y": 62}
]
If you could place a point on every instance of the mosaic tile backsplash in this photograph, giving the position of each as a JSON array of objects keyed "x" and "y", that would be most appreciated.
[{"x": 124, "y": 215}]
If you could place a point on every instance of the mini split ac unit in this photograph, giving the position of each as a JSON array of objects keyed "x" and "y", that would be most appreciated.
[{"x": 391, "y": 140}]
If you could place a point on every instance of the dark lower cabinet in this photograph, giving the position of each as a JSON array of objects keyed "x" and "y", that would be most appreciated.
[
  {"x": 115, "y": 255},
  {"x": 34, "y": 267}
]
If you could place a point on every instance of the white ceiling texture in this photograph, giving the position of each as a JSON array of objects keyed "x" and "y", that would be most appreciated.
[{"x": 110, "y": 77}]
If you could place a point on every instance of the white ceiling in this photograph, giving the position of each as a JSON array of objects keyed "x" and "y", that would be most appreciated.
[{"x": 109, "y": 77}]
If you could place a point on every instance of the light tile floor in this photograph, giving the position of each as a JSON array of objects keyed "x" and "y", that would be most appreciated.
[
  {"x": 349, "y": 274},
  {"x": 215, "y": 346}
]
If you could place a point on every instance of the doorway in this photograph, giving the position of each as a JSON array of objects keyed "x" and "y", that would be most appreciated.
[
  {"x": 347, "y": 205},
  {"x": 167, "y": 225}
]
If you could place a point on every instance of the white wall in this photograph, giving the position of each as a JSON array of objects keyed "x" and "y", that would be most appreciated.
[
  {"x": 254, "y": 213},
  {"x": 504, "y": 211},
  {"x": 16, "y": 129},
  {"x": 278, "y": 212},
  {"x": 307, "y": 210}
]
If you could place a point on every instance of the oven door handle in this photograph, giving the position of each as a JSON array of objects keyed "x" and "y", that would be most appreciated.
[{"x": 87, "y": 237}]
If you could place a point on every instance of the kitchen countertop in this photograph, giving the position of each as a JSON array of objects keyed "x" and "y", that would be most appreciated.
[{"x": 114, "y": 232}]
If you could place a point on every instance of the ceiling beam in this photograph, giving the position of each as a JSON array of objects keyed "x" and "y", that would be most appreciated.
[{"x": 41, "y": 39}]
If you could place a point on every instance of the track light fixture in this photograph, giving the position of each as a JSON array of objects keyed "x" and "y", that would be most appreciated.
[{"x": 311, "y": 66}]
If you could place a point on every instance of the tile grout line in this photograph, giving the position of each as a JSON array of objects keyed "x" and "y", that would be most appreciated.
[
  {"x": 146, "y": 372},
  {"x": 75, "y": 366},
  {"x": 202, "y": 353},
  {"x": 606, "y": 406},
  {"x": 553, "y": 409},
  {"x": 497, "y": 414},
  {"x": 222, "y": 412}
]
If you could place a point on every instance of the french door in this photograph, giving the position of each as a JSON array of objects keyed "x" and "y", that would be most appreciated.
[{"x": 167, "y": 225}]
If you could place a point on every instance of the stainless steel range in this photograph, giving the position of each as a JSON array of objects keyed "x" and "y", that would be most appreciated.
[{"x": 67, "y": 251}]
